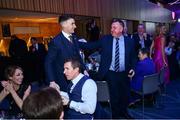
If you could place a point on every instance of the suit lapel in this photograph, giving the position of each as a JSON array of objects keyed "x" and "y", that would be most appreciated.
[
  {"x": 110, "y": 45},
  {"x": 65, "y": 43},
  {"x": 68, "y": 46}
]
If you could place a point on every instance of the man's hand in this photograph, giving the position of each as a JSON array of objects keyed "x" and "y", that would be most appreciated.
[
  {"x": 55, "y": 86},
  {"x": 65, "y": 100},
  {"x": 86, "y": 73},
  {"x": 145, "y": 36},
  {"x": 131, "y": 73},
  {"x": 82, "y": 40}
]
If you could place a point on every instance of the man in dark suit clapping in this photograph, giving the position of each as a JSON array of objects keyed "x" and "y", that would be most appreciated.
[{"x": 141, "y": 39}]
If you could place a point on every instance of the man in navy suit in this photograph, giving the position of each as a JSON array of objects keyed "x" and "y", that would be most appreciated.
[
  {"x": 61, "y": 47},
  {"x": 37, "y": 53},
  {"x": 118, "y": 79},
  {"x": 141, "y": 39}
]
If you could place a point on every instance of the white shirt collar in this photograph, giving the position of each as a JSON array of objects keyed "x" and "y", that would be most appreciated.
[
  {"x": 66, "y": 35},
  {"x": 120, "y": 37},
  {"x": 76, "y": 80}
]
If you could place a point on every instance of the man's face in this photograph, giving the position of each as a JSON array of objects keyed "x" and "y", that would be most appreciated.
[
  {"x": 116, "y": 29},
  {"x": 141, "y": 56},
  {"x": 70, "y": 72},
  {"x": 141, "y": 29},
  {"x": 68, "y": 26},
  {"x": 33, "y": 42}
]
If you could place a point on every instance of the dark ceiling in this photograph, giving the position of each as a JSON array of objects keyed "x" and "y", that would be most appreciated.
[{"x": 173, "y": 5}]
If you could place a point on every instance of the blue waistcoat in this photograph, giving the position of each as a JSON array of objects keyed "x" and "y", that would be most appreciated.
[{"x": 76, "y": 95}]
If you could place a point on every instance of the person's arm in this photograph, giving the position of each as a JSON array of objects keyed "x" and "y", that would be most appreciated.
[
  {"x": 163, "y": 50},
  {"x": 14, "y": 94},
  {"x": 49, "y": 61},
  {"x": 89, "y": 98},
  {"x": 90, "y": 45},
  {"x": 3, "y": 94},
  {"x": 151, "y": 49},
  {"x": 17, "y": 99},
  {"x": 27, "y": 92}
]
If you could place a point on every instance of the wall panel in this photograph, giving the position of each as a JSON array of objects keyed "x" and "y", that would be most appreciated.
[
  {"x": 105, "y": 9},
  {"x": 58, "y": 6},
  {"x": 68, "y": 6},
  {"x": 36, "y": 5},
  {"x": 42, "y": 5},
  {"x": 127, "y": 9}
]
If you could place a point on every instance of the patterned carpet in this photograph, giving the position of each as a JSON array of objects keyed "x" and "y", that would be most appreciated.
[{"x": 167, "y": 105}]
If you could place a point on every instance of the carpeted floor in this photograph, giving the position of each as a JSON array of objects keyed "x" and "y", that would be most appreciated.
[{"x": 167, "y": 105}]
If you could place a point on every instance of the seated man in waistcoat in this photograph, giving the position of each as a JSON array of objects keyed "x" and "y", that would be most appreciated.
[{"x": 81, "y": 97}]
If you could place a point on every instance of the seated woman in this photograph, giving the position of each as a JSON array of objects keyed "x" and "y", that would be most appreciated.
[
  {"x": 144, "y": 67},
  {"x": 13, "y": 92}
]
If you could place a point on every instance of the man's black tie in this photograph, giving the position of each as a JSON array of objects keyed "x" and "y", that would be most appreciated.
[
  {"x": 116, "y": 66},
  {"x": 69, "y": 86},
  {"x": 71, "y": 38}
]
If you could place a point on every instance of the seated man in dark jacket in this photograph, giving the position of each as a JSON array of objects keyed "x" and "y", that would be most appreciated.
[{"x": 144, "y": 67}]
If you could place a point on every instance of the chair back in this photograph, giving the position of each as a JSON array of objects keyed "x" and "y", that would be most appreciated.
[
  {"x": 150, "y": 83},
  {"x": 102, "y": 91}
]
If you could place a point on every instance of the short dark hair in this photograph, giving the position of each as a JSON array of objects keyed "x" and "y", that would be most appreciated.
[
  {"x": 161, "y": 25},
  {"x": 144, "y": 51},
  {"x": 14, "y": 37},
  {"x": 141, "y": 25},
  {"x": 65, "y": 17},
  {"x": 75, "y": 62},
  {"x": 118, "y": 20},
  {"x": 44, "y": 104},
  {"x": 33, "y": 38}
]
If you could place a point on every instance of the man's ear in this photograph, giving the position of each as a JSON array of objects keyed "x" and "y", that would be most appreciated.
[
  {"x": 63, "y": 24},
  {"x": 61, "y": 116},
  {"x": 77, "y": 69}
]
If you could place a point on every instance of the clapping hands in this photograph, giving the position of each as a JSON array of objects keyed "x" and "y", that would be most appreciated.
[
  {"x": 27, "y": 92},
  {"x": 8, "y": 87}
]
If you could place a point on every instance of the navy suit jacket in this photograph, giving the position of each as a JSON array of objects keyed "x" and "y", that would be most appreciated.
[
  {"x": 147, "y": 42},
  {"x": 18, "y": 49},
  {"x": 105, "y": 44},
  {"x": 144, "y": 67},
  {"x": 59, "y": 50},
  {"x": 38, "y": 55}
]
